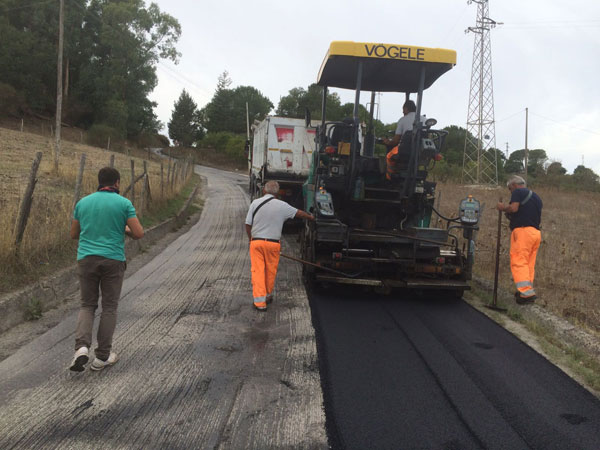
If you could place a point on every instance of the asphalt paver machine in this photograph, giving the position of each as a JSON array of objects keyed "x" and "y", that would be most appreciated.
[{"x": 371, "y": 230}]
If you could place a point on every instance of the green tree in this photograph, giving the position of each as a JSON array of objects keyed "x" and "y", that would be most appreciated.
[
  {"x": 184, "y": 126},
  {"x": 586, "y": 179},
  {"x": 454, "y": 147},
  {"x": 536, "y": 162},
  {"x": 227, "y": 109},
  {"x": 111, "y": 51},
  {"x": 299, "y": 100},
  {"x": 555, "y": 168}
]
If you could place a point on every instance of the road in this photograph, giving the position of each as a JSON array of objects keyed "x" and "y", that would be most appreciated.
[
  {"x": 423, "y": 373},
  {"x": 200, "y": 368}
]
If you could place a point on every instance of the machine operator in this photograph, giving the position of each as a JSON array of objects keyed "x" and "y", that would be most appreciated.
[{"x": 404, "y": 124}]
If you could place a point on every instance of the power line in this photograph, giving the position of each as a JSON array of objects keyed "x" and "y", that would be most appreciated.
[
  {"x": 456, "y": 23},
  {"x": 558, "y": 21},
  {"x": 564, "y": 124},
  {"x": 511, "y": 116},
  {"x": 176, "y": 75}
]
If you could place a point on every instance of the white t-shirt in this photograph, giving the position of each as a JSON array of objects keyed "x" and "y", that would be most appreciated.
[
  {"x": 405, "y": 123},
  {"x": 269, "y": 220}
]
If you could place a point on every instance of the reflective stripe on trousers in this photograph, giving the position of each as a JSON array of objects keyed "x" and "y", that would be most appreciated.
[
  {"x": 264, "y": 259},
  {"x": 524, "y": 244}
]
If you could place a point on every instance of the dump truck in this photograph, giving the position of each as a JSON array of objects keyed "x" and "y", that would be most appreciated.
[
  {"x": 372, "y": 227},
  {"x": 282, "y": 150}
]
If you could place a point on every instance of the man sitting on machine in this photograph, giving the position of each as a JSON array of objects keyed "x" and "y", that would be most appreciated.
[{"x": 399, "y": 154}]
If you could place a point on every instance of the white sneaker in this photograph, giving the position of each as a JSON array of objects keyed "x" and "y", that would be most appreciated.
[
  {"x": 98, "y": 364},
  {"x": 80, "y": 359}
]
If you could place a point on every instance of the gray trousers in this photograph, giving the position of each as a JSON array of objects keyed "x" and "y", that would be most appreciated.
[{"x": 96, "y": 274}]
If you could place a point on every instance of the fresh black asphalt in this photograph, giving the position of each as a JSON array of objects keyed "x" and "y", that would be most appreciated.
[{"x": 407, "y": 372}]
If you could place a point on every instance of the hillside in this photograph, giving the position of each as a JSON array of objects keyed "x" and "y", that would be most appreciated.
[{"x": 46, "y": 242}]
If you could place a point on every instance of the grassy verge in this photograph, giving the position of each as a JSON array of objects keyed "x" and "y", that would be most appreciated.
[
  {"x": 170, "y": 209},
  {"x": 579, "y": 364}
]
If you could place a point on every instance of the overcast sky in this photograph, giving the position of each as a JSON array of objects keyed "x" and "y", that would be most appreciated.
[{"x": 546, "y": 57}]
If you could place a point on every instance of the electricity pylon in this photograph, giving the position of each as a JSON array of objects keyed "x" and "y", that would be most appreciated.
[{"x": 480, "y": 156}]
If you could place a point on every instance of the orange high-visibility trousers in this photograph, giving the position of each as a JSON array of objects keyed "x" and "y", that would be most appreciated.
[
  {"x": 264, "y": 259},
  {"x": 390, "y": 163},
  {"x": 524, "y": 244}
]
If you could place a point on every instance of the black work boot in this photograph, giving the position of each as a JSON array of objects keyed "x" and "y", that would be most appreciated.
[{"x": 524, "y": 300}]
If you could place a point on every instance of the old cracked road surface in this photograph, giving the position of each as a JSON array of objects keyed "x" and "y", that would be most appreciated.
[{"x": 199, "y": 367}]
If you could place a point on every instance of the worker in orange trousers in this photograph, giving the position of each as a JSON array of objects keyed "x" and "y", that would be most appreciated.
[
  {"x": 264, "y": 223},
  {"x": 525, "y": 214}
]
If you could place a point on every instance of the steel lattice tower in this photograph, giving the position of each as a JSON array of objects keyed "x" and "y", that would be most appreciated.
[{"x": 480, "y": 156}]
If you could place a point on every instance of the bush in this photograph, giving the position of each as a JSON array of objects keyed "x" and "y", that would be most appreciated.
[
  {"x": 230, "y": 144},
  {"x": 11, "y": 101},
  {"x": 217, "y": 141},
  {"x": 150, "y": 139},
  {"x": 163, "y": 141},
  {"x": 235, "y": 147},
  {"x": 98, "y": 135},
  {"x": 445, "y": 172}
]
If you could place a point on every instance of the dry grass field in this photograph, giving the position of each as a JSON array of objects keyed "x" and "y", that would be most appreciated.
[
  {"x": 46, "y": 242},
  {"x": 568, "y": 261}
]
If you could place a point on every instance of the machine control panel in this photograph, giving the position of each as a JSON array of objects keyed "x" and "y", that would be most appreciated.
[
  {"x": 428, "y": 144},
  {"x": 324, "y": 203},
  {"x": 469, "y": 211}
]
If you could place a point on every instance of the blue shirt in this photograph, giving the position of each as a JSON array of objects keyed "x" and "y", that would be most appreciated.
[
  {"x": 102, "y": 218},
  {"x": 530, "y": 213}
]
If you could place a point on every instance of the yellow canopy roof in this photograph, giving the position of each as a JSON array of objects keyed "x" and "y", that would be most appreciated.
[{"x": 386, "y": 67}]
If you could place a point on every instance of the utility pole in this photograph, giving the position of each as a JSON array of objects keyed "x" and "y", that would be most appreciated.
[
  {"x": 507, "y": 150},
  {"x": 526, "y": 148},
  {"x": 480, "y": 165},
  {"x": 59, "y": 83}
]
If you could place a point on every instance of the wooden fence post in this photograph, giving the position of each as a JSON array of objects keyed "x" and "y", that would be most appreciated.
[
  {"x": 132, "y": 185},
  {"x": 81, "y": 137},
  {"x": 145, "y": 187},
  {"x": 22, "y": 124},
  {"x": 112, "y": 161},
  {"x": 25, "y": 206},
  {"x": 173, "y": 175},
  {"x": 108, "y": 145},
  {"x": 169, "y": 170},
  {"x": 142, "y": 206},
  {"x": 79, "y": 181},
  {"x": 162, "y": 191},
  {"x": 148, "y": 191}
]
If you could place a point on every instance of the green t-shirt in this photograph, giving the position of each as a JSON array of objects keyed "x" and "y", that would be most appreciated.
[{"x": 102, "y": 218}]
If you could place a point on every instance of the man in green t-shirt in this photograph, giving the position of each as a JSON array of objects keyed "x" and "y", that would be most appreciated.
[{"x": 100, "y": 222}]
